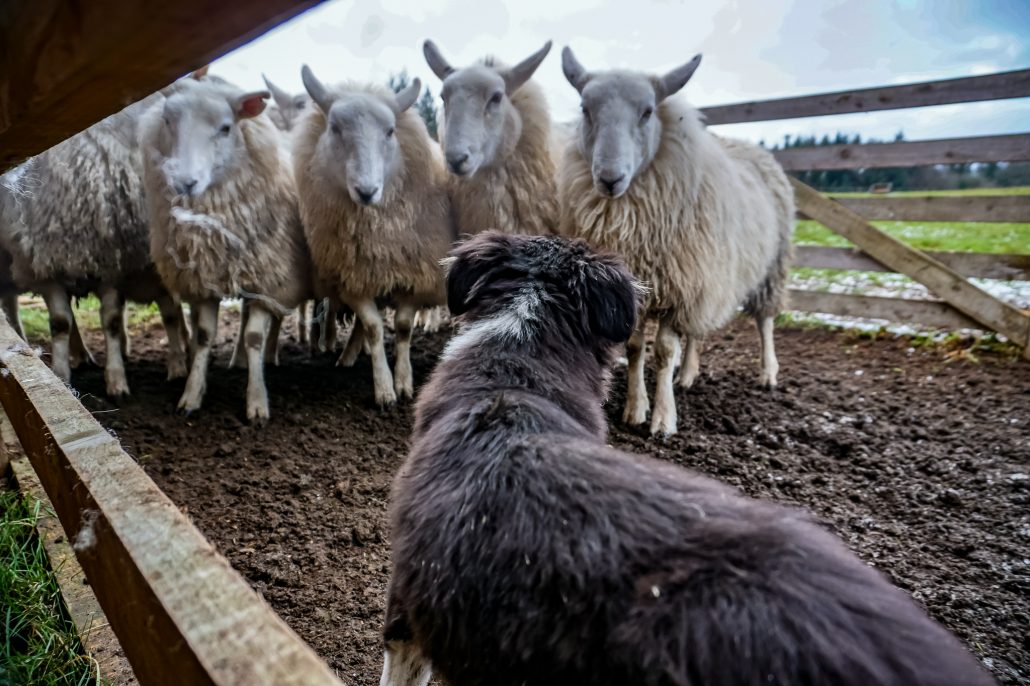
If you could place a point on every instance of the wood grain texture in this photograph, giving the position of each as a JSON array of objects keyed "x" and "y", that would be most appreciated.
[
  {"x": 941, "y": 208},
  {"x": 977, "y": 265},
  {"x": 943, "y": 281},
  {"x": 181, "y": 613},
  {"x": 64, "y": 65},
  {"x": 1011, "y": 84},
  {"x": 1010, "y": 148},
  {"x": 924, "y": 312}
]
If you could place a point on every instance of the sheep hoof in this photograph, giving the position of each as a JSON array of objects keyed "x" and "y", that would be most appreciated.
[
  {"x": 687, "y": 380},
  {"x": 386, "y": 400},
  {"x": 187, "y": 408},
  {"x": 662, "y": 429},
  {"x": 177, "y": 370},
  {"x": 635, "y": 416},
  {"x": 346, "y": 360},
  {"x": 257, "y": 416},
  {"x": 118, "y": 390},
  {"x": 767, "y": 381}
]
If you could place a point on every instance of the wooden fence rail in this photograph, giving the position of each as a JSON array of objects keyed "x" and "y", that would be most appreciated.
[
  {"x": 941, "y": 208},
  {"x": 977, "y": 265},
  {"x": 1012, "y": 84},
  {"x": 1011, "y": 148},
  {"x": 181, "y": 613}
]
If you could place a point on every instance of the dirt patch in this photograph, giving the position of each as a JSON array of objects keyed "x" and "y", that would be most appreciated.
[{"x": 919, "y": 464}]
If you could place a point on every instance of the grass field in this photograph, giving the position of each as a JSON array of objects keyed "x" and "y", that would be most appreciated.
[{"x": 37, "y": 643}]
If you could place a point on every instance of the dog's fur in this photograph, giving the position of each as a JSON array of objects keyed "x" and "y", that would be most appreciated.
[{"x": 526, "y": 551}]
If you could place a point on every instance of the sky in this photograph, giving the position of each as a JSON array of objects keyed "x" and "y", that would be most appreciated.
[{"x": 753, "y": 50}]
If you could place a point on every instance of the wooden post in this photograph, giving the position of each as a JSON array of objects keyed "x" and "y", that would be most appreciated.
[
  {"x": 904, "y": 259},
  {"x": 181, "y": 613}
]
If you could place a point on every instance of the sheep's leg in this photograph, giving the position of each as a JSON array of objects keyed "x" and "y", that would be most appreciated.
[
  {"x": 112, "y": 318},
  {"x": 272, "y": 341},
  {"x": 327, "y": 335},
  {"x": 403, "y": 320},
  {"x": 175, "y": 328},
  {"x": 239, "y": 353},
  {"x": 123, "y": 333},
  {"x": 355, "y": 344},
  {"x": 256, "y": 334},
  {"x": 78, "y": 353},
  {"x": 204, "y": 332},
  {"x": 691, "y": 363},
  {"x": 404, "y": 665},
  {"x": 637, "y": 405},
  {"x": 194, "y": 325},
  {"x": 667, "y": 354},
  {"x": 770, "y": 366},
  {"x": 302, "y": 323},
  {"x": 372, "y": 323},
  {"x": 62, "y": 320},
  {"x": 10, "y": 305}
]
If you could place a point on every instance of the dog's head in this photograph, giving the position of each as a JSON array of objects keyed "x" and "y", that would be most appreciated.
[{"x": 530, "y": 287}]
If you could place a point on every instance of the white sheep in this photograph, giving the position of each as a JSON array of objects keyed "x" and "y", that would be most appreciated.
[
  {"x": 496, "y": 137},
  {"x": 224, "y": 220},
  {"x": 705, "y": 221},
  {"x": 374, "y": 205},
  {"x": 74, "y": 222}
]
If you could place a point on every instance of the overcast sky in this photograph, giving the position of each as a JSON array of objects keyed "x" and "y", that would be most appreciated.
[{"x": 753, "y": 49}]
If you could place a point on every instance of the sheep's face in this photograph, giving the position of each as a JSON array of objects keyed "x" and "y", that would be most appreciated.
[
  {"x": 200, "y": 141},
  {"x": 620, "y": 130},
  {"x": 359, "y": 147},
  {"x": 481, "y": 126},
  {"x": 290, "y": 107}
]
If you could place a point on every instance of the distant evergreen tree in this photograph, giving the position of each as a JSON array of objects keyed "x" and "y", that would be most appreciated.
[{"x": 426, "y": 104}]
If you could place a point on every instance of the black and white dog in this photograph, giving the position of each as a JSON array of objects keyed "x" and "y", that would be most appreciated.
[{"x": 526, "y": 551}]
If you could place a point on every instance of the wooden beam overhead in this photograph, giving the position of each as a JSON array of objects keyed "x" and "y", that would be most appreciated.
[{"x": 65, "y": 65}]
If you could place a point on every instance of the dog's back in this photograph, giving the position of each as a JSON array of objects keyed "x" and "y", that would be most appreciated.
[{"x": 526, "y": 551}]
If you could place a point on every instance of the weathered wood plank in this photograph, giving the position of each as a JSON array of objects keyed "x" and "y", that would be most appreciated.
[
  {"x": 1010, "y": 148},
  {"x": 941, "y": 208},
  {"x": 182, "y": 614},
  {"x": 65, "y": 65},
  {"x": 95, "y": 633},
  {"x": 940, "y": 279},
  {"x": 1011, "y": 84},
  {"x": 977, "y": 265},
  {"x": 924, "y": 312}
]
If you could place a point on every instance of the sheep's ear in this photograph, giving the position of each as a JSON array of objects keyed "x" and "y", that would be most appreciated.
[
  {"x": 521, "y": 72},
  {"x": 406, "y": 98},
  {"x": 250, "y": 104},
  {"x": 318, "y": 92},
  {"x": 574, "y": 71},
  {"x": 469, "y": 267},
  {"x": 435, "y": 59},
  {"x": 200, "y": 73},
  {"x": 672, "y": 82},
  {"x": 281, "y": 97},
  {"x": 611, "y": 295}
]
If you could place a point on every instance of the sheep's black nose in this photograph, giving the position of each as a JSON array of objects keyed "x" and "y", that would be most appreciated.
[
  {"x": 456, "y": 161},
  {"x": 610, "y": 184},
  {"x": 366, "y": 194},
  {"x": 186, "y": 187}
]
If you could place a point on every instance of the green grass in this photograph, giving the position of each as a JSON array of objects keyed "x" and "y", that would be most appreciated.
[
  {"x": 37, "y": 643},
  {"x": 36, "y": 321},
  {"x": 952, "y": 236}
]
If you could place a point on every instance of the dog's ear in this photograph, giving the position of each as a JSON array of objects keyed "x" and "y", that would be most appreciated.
[
  {"x": 469, "y": 268},
  {"x": 611, "y": 296}
]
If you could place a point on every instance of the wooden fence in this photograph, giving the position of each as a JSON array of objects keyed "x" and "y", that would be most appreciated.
[{"x": 962, "y": 304}]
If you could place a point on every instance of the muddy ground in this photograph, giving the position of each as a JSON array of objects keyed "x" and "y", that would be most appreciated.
[{"x": 920, "y": 464}]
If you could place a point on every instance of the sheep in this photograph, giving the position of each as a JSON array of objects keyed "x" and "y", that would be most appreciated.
[
  {"x": 224, "y": 220},
  {"x": 373, "y": 200},
  {"x": 288, "y": 108},
  {"x": 74, "y": 222},
  {"x": 526, "y": 551},
  {"x": 706, "y": 221},
  {"x": 496, "y": 137}
]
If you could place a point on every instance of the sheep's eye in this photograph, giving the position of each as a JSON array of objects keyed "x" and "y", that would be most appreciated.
[
  {"x": 586, "y": 113},
  {"x": 389, "y": 132},
  {"x": 646, "y": 114},
  {"x": 495, "y": 99},
  {"x": 335, "y": 129},
  {"x": 225, "y": 129}
]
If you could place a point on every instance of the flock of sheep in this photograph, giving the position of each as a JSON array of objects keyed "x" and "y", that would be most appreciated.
[{"x": 197, "y": 194}]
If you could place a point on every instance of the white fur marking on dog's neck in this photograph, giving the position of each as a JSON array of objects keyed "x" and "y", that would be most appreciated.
[{"x": 510, "y": 324}]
